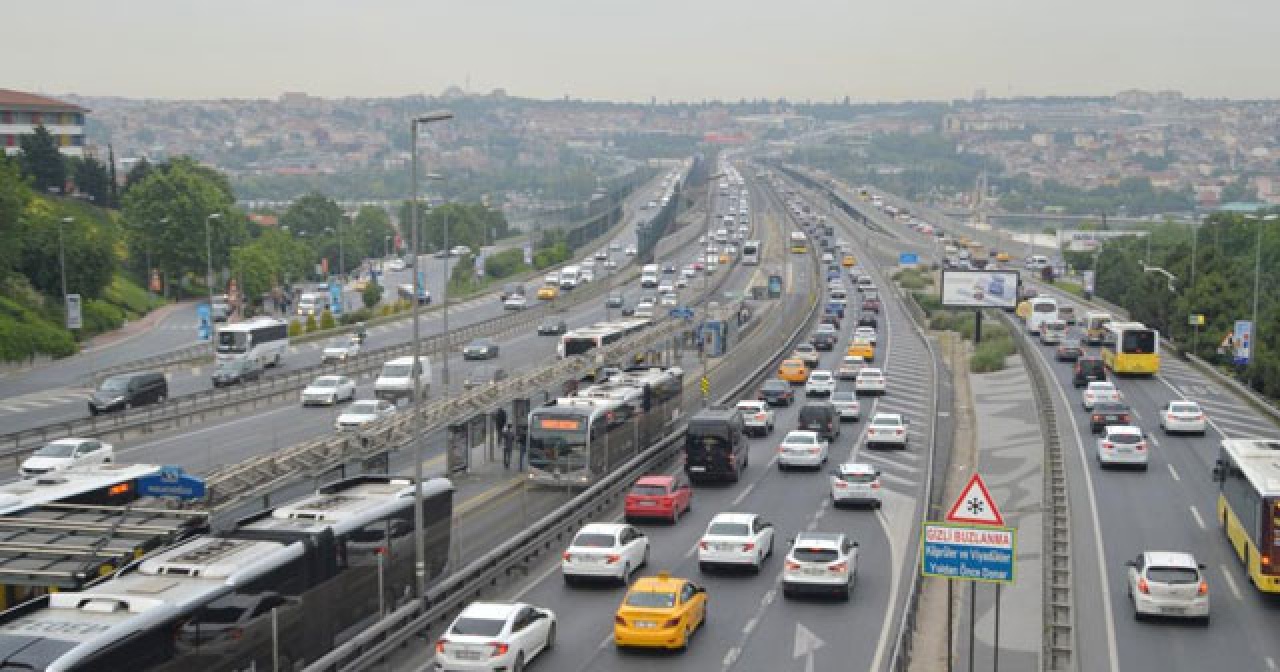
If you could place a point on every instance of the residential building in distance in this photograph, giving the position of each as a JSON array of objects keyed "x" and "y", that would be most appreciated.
[{"x": 21, "y": 113}]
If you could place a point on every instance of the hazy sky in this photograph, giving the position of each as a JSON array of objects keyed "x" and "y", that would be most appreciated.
[{"x": 635, "y": 49}]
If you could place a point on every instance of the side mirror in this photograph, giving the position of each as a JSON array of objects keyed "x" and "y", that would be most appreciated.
[
  {"x": 1218, "y": 472},
  {"x": 1200, "y": 565}
]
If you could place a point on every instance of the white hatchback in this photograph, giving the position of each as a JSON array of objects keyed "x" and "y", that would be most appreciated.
[
  {"x": 855, "y": 482},
  {"x": 1183, "y": 416},
  {"x": 849, "y": 367},
  {"x": 820, "y": 383},
  {"x": 757, "y": 417},
  {"x": 887, "y": 429},
  {"x": 1168, "y": 583},
  {"x": 495, "y": 636},
  {"x": 1123, "y": 445},
  {"x": 802, "y": 449},
  {"x": 605, "y": 550},
  {"x": 736, "y": 540},
  {"x": 867, "y": 333},
  {"x": 821, "y": 562},
  {"x": 1099, "y": 391},
  {"x": 870, "y": 381}
]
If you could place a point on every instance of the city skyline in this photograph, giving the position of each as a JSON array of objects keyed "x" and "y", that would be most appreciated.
[{"x": 817, "y": 50}]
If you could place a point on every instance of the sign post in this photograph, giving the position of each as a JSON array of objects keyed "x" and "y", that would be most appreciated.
[{"x": 972, "y": 545}]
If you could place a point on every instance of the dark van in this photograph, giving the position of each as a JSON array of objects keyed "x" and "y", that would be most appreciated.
[
  {"x": 715, "y": 445},
  {"x": 128, "y": 390},
  {"x": 820, "y": 417},
  {"x": 1088, "y": 370}
]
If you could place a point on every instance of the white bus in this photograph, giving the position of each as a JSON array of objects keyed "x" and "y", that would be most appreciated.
[
  {"x": 570, "y": 276},
  {"x": 649, "y": 276},
  {"x": 1043, "y": 309},
  {"x": 585, "y": 339},
  {"x": 751, "y": 252},
  {"x": 262, "y": 339}
]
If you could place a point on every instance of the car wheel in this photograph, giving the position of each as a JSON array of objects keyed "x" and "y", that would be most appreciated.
[
  {"x": 570, "y": 580},
  {"x": 551, "y": 638},
  {"x": 644, "y": 560},
  {"x": 626, "y": 573},
  {"x": 675, "y": 517},
  {"x": 519, "y": 666}
]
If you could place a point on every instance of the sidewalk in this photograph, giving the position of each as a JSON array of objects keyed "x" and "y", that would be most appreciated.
[
  {"x": 130, "y": 330},
  {"x": 1010, "y": 458}
]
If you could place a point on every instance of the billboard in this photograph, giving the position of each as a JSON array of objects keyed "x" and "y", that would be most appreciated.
[
  {"x": 1242, "y": 339},
  {"x": 980, "y": 289}
]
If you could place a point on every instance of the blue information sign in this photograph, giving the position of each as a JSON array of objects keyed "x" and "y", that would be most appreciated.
[
  {"x": 172, "y": 481},
  {"x": 335, "y": 297},
  {"x": 967, "y": 552},
  {"x": 908, "y": 259},
  {"x": 204, "y": 326}
]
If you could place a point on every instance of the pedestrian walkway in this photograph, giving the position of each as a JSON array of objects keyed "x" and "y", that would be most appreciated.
[{"x": 1010, "y": 458}]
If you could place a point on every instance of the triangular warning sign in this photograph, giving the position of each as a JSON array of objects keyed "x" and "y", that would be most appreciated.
[{"x": 975, "y": 505}]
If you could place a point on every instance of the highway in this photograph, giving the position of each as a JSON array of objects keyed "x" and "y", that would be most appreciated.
[
  {"x": 51, "y": 401},
  {"x": 750, "y": 626},
  {"x": 1118, "y": 514}
]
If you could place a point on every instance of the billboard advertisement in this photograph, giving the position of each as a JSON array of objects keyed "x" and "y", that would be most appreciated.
[
  {"x": 980, "y": 289},
  {"x": 1242, "y": 339}
]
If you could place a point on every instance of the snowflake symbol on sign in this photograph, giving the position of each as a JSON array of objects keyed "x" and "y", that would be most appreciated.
[{"x": 975, "y": 506}]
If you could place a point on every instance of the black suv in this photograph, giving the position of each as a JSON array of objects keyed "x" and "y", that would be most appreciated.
[
  {"x": 776, "y": 392},
  {"x": 823, "y": 340},
  {"x": 868, "y": 320},
  {"x": 1088, "y": 370},
  {"x": 127, "y": 390}
]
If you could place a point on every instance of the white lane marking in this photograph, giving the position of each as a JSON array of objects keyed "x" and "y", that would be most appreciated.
[
  {"x": 1231, "y": 583},
  {"x": 1173, "y": 472},
  {"x": 1271, "y": 663},
  {"x": 750, "y": 625},
  {"x": 883, "y": 644},
  {"x": 1195, "y": 513},
  {"x": 1109, "y": 623}
]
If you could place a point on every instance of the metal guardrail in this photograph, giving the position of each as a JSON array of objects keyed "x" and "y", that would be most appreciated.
[
  {"x": 196, "y": 407},
  {"x": 374, "y": 644}
]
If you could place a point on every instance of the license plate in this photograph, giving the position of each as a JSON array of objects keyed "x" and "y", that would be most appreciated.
[
  {"x": 1173, "y": 610},
  {"x": 815, "y": 571},
  {"x": 468, "y": 654},
  {"x": 697, "y": 468},
  {"x": 648, "y": 503},
  {"x": 646, "y": 624},
  {"x": 726, "y": 547}
]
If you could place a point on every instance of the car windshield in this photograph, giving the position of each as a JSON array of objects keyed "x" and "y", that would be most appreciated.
[
  {"x": 751, "y": 406},
  {"x": 1184, "y": 408},
  {"x": 1104, "y": 387},
  {"x": 649, "y": 490},
  {"x": 364, "y": 408},
  {"x": 775, "y": 386},
  {"x": 1125, "y": 438},
  {"x": 819, "y": 377},
  {"x": 478, "y": 627},
  {"x": 815, "y": 554},
  {"x": 885, "y": 422},
  {"x": 800, "y": 438},
  {"x": 844, "y": 396},
  {"x": 56, "y": 450},
  {"x": 396, "y": 371},
  {"x": 115, "y": 385},
  {"x": 325, "y": 382},
  {"x": 859, "y": 477},
  {"x": 651, "y": 599},
  {"x": 593, "y": 540},
  {"x": 729, "y": 529},
  {"x": 340, "y": 344},
  {"x": 480, "y": 344},
  {"x": 1173, "y": 575},
  {"x": 804, "y": 348}
]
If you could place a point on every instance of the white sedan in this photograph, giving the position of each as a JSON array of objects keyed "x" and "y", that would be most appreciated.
[
  {"x": 847, "y": 405},
  {"x": 395, "y": 265},
  {"x": 605, "y": 550},
  {"x": 1099, "y": 391},
  {"x": 849, "y": 367},
  {"x": 329, "y": 390},
  {"x": 363, "y": 412},
  {"x": 1183, "y": 416},
  {"x": 887, "y": 429},
  {"x": 1168, "y": 583},
  {"x": 867, "y": 333},
  {"x": 802, "y": 449},
  {"x": 67, "y": 453},
  {"x": 495, "y": 636},
  {"x": 870, "y": 381},
  {"x": 757, "y": 417},
  {"x": 820, "y": 383},
  {"x": 1123, "y": 445},
  {"x": 736, "y": 540},
  {"x": 856, "y": 482},
  {"x": 515, "y": 302},
  {"x": 340, "y": 350}
]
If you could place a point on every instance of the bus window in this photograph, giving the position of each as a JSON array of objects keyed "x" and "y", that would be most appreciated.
[{"x": 1139, "y": 342}]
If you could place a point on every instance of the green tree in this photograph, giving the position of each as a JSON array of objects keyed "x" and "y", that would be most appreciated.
[
  {"x": 41, "y": 160},
  {"x": 113, "y": 192},
  {"x": 368, "y": 234},
  {"x": 92, "y": 179},
  {"x": 269, "y": 261},
  {"x": 312, "y": 215},
  {"x": 136, "y": 174},
  {"x": 14, "y": 196},
  {"x": 371, "y": 295},
  {"x": 87, "y": 243}
]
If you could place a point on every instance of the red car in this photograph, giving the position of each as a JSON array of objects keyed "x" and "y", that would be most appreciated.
[
  {"x": 871, "y": 305},
  {"x": 667, "y": 497}
]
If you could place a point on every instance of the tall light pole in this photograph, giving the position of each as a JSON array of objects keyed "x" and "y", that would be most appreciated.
[
  {"x": 444, "y": 293},
  {"x": 342, "y": 258},
  {"x": 1257, "y": 272},
  {"x": 208, "y": 279},
  {"x": 419, "y": 539},
  {"x": 62, "y": 256}
]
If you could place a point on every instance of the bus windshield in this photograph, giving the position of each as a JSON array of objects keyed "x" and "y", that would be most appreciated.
[
  {"x": 577, "y": 346},
  {"x": 558, "y": 443},
  {"x": 233, "y": 341},
  {"x": 1139, "y": 342}
]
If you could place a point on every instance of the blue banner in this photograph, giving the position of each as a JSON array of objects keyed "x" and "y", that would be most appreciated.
[
  {"x": 204, "y": 324},
  {"x": 172, "y": 481},
  {"x": 908, "y": 259},
  {"x": 976, "y": 553},
  {"x": 335, "y": 297},
  {"x": 1242, "y": 339}
]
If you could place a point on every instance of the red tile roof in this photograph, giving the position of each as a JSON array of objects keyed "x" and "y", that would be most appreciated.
[{"x": 19, "y": 99}]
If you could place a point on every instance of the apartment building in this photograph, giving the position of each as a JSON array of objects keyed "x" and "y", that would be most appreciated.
[{"x": 21, "y": 113}]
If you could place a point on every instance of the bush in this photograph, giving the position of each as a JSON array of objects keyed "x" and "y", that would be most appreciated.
[
  {"x": 930, "y": 303},
  {"x": 505, "y": 264},
  {"x": 99, "y": 316},
  {"x": 327, "y": 321},
  {"x": 311, "y": 323},
  {"x": 24, "y": 334},
  {"x": 371, "y": 295},
  {"x": 913, "y": 278},
  {"x": 362, "y": 315},
  {"x": 131, "y": 297},
  {"x": 295, "y": 328},
  {"x": 990, "y": 354}
]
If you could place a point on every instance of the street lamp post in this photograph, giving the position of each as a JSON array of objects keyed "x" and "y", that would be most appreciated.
[
  {"x": 208, "y": 278},
  {"x": 444, "y": 293},
  {"x": 62, "y": 256},
  {"x": 1257, "y": 271},
  {"x": 419, "y": 539},
  {"x": 342, "y": 257}
]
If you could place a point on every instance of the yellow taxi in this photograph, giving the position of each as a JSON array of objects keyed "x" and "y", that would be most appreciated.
[
  {"x": 724, "y": 260},
  {"x": 1002, "y": 256},
  {"x": 1023, "y": 311},
  {"x": 861, "y": 347},
  {"x": 660, "y": 612},
  {"x": 848, "y": 261},
  {"x": 548, "y": 292},
  {"x": 793, "y": 371}
]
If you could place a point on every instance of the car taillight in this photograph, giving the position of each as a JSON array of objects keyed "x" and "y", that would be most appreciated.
[
  {"x": 1125, "y": 418},
  {"x": 875, "y": 485},
  {"x": 666, "y": 501},
  {"x": 498, "y": 649},
  {"x": 1203, "y": 589},
  {"x": 567, "y": 556},
  {"x": 1199, "y": 416},
  {"x": 612, "y": 559},
  {"x": 671, "y": 623},
  {"x": 618, "y": 620},
  {"x": 1107, "y": 445},
  {"x": 1143, "y": 587},
  {"x": 440, "y": 645},
  {"x": 841, "y": 484},
  {"x": 898, "y": 432},
  {"x": 749, "y": 546},
  {"x": 702, "y": 545},
  {"x": 793, "y": 565},
  {"x": 1140, "y": 446},
  {"x": 1097, "y": 418},
  {"x": 1266, "y": 560},
  {"x": 839, "y": 567}
]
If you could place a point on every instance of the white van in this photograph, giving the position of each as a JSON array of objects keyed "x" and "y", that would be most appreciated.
[
  {"x": 570, "y": 276},
  {"x": 649, "y": 276},
  {"x": 395, "y": 381},
  {"x": 1053, "y": 331},
  {"x": 1043, "y": 309}
]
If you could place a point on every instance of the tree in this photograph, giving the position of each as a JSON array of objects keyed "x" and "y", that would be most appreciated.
[
  {"x": 41, "y": 160},
  {"x": 369, "y": 232},
  {"x": 371, "y": 295},
  {"x": 113, "y": 193},
  {"x": 136, "y": 174},
  {"x": 87, "y": 244},
  {"x": 92, "y": 179},
  {"x": 14, "y": 196},
  {"x": 269, "y": 261},
  {"x": 311, "y": 215}
]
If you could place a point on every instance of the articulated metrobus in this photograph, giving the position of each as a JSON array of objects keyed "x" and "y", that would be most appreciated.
[
  {"x": 751, "y": 252},
  {"x": 1133, "y": 348},
  {"x": 1248, "y": 475},
  {"x": 579, "y": 439},
  {"x": 584, "y": 339}
]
